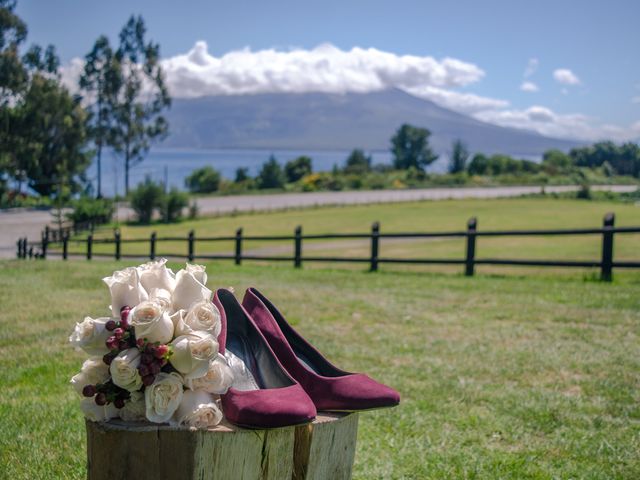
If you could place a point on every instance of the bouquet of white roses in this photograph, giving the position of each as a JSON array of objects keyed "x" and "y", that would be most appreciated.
[{"x": 156, "y": 357}]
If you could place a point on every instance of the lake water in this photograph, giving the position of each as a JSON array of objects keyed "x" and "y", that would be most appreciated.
[{"x": 178, "y": 164}]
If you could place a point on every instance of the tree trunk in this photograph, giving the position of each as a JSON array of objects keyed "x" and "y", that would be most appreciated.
[
  {"x": 99, "y": 158},
  {"x": 126, "y": 173}
]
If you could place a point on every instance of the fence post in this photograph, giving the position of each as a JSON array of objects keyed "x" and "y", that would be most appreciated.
[
  {"x": 65, "y": 246},
  {"x": 238, "y": 254},
  {"x": 152, "y": 246},
  {"x": 45, "y": 242},
  {"x": 116, "y": 235},
  {"x": 89, "y": 246},
  {"x": 297, "y": 259},
  {"x": 472, "y": 225},
  {"x": 191, "y": 240},
  {"x": 606, "y": 265},
  {"x": 375, "y": 244}
]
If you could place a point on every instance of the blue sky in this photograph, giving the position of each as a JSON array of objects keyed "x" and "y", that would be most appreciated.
[{"x": 591, "y": 46}]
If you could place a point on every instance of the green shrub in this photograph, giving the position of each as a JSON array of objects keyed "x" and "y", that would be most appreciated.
[
  {"x": 172, "y": 204},
  {"x": 203, "y": 180},
  {"x": 194, "y": 210},
  {"x": 298, "y": 168},
  {"x": 145, "y": 198},
  {"x": 357, "y": 162},
  {"x": 271, "y": 174},
  {"x": 584, "y": 193},
  {"x": 91, "y": 210},
  {"x": 242, "y": 175}
]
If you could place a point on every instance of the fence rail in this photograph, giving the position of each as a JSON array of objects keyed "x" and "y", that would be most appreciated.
[{"x": 606, "y": 263}]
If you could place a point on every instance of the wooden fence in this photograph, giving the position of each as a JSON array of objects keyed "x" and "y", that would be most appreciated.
[{"x": 606, "y": 263}]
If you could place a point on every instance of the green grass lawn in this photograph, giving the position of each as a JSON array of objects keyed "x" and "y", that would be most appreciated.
[
  {"x": 499, "y": 214},
  {"x": 501, "y": 377}
]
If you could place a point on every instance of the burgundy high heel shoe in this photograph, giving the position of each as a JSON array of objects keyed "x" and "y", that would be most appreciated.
[
  {"x": 330, "y": 388},
  {"x": 263, "y": 394}
]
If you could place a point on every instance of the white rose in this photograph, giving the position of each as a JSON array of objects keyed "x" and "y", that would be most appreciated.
[
  {"x": 90, "y": 336},
  {"x": 217, "y": 380},
  {"x": 162, "y": 297},
  {"x": 202, "y": 316},
  {"x": 198, "y": 410},
  {"x": 134, "y": 408},
  {"x": 124, "y": 370},
  {"x": 151, "y": 321},
  {"x": 163, "y": 396},
  {"x": 125, "y": 288},
  {"x": 94, "y": 371},
  {"x": 97, "y": 413},
  {"x": 197, "y": 271},
  {"x": 156, "y": 276},
  {"x": 190, "y": 288},
  {"x": 177, "y": 318},
  {"x": 192, "y": 353}
]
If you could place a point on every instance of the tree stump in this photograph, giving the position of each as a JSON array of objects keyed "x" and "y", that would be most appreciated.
[
  {"x": 325, "y": 448},
  {"x": 322, "y": 449}
]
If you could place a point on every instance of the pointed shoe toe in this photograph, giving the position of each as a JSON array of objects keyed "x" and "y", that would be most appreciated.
[
  {"x": 269, "y": 408},
  {"x": 355, "y": 392}
]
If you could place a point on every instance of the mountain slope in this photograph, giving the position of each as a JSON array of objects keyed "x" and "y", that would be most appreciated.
[{"x": 319, "y": 121}]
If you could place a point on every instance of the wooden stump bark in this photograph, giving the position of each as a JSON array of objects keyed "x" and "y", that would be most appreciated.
[
  {"x": 325, "y": 448},
  {"x": 322, "y": 449}
]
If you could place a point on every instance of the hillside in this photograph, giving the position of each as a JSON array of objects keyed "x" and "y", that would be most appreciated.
[{"x": 319, "y": 121}]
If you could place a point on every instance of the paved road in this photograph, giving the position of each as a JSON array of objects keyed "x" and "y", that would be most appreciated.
[
  {"x": 29, "y": 223},
  {"x": 290, "y": 200}
]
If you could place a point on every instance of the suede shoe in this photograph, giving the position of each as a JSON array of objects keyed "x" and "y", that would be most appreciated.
[{"x": 330, "y": 388}]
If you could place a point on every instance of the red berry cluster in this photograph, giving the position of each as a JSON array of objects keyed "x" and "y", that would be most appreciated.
[
  {"x": 154, "y": 357},
  {"x": 122, "y": 335},
  {"x": 105, "y": 393}
]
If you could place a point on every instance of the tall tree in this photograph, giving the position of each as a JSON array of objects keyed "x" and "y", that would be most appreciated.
[
  {"x": 555, "y": 161},
  {"x": 242, "y": 175},
  {"x": 13, "y": 33},
  {"x": 141, "y": 96},
  {"x": 13, "y": 79},
  {"x": 101, "y": 80},
  {"x": 358, "y": 162},
  {"x": 53, "y": 155},
  {"x": 459, "y": 157},
  {"x": 271, "y": 174},
  {"x": 298, "y": 168},
  {"x": 410, "y": 148}
]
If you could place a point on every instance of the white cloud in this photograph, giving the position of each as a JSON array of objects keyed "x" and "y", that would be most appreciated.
[
  {"x": 635, "y": 99},
  {"x": 458, "y": 101},
  {"x": 547, "y": 122},
  {"x": 532, "y": 67},
  {"x": 332, "y": 70},
  {"x": 566, "y": 77},
  {"x": 322, "y": 69},
  {"x": 70, "y": 73},
  {"x": 529, "y": 87}
]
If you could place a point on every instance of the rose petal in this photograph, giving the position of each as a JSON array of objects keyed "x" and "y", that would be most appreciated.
[
  {"x": 197, "y": 410},
  {"x": 125, "y": 288},
  {"x": 189, "y": 290}
]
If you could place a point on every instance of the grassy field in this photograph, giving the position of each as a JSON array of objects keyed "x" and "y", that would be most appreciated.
[
  {"x": 501, "y": 377},
  {"x": 522, "y": 213}
]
